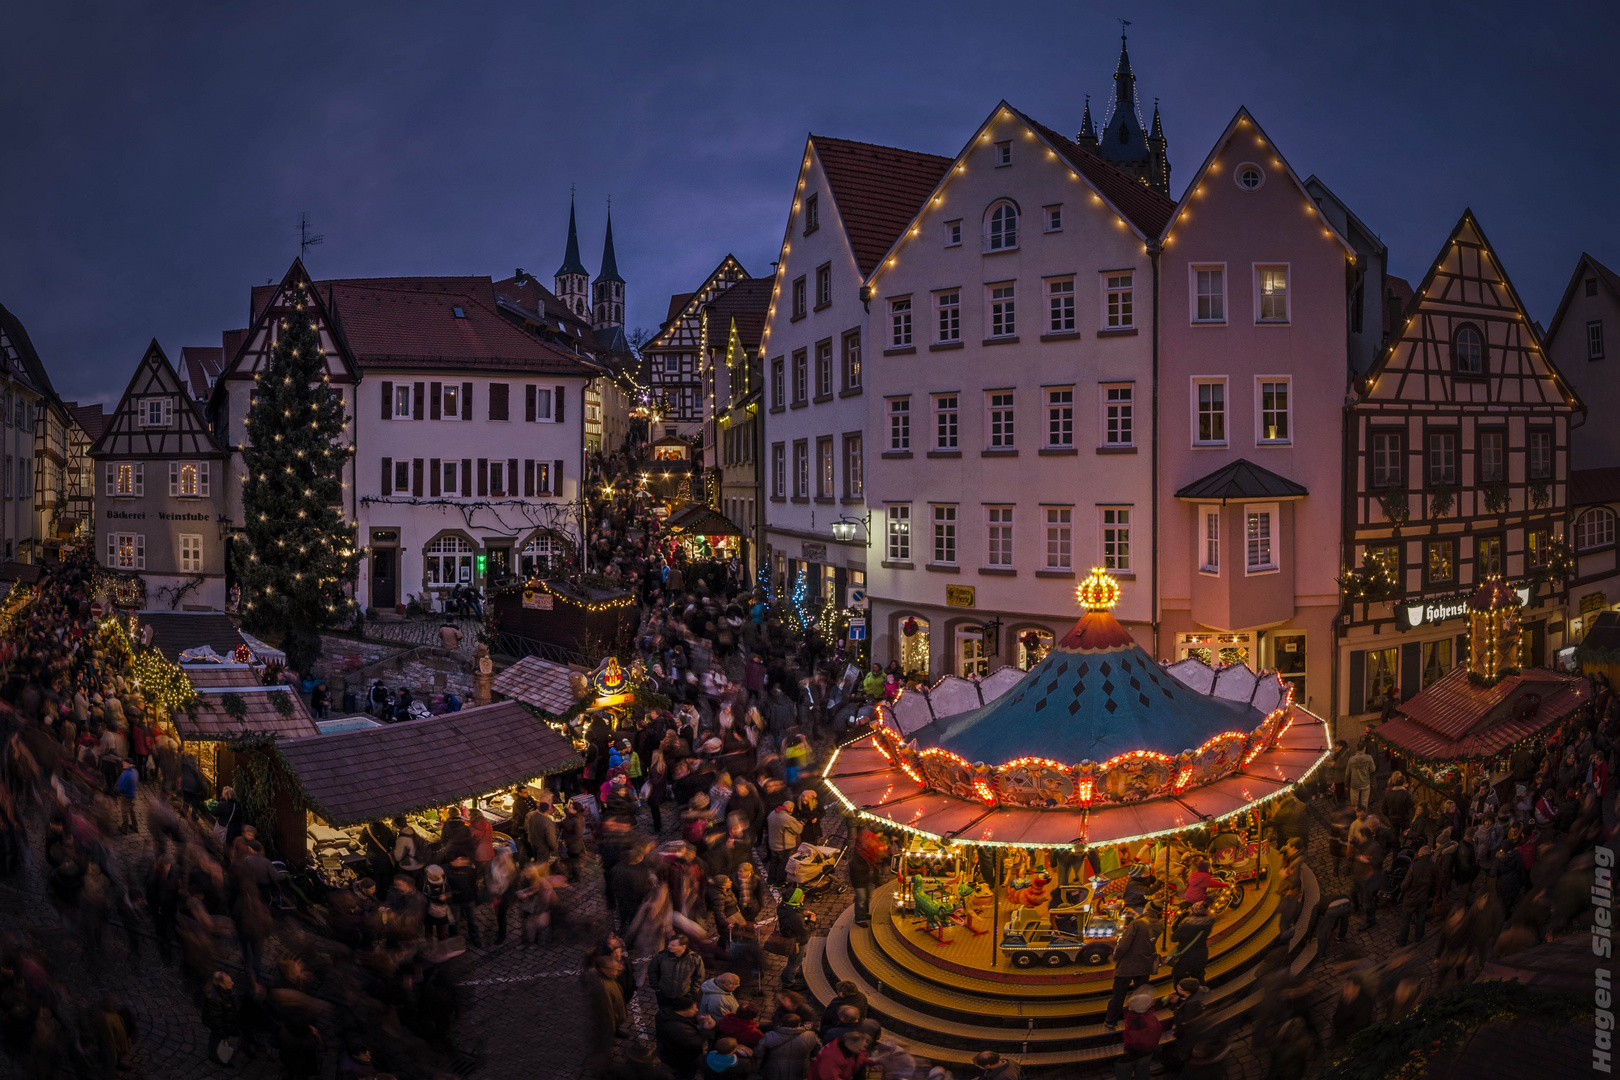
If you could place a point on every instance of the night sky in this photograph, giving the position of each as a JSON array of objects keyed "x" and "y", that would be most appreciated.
[{"x": 154, "y": 158}]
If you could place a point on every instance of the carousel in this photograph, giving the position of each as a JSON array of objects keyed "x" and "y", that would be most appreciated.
[{"x": 1034, "y": 814}]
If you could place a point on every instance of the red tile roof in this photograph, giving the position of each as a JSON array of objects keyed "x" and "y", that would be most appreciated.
[
  {"x": 748, "y": 302},
  {"x": 541, "y": 300},
  {"x": 1144, "y": 207},
  {"x": 677, "y": 301},
  {"x": 200, "y": 364},
  {"x": 232, "y": 340},
  {"x": 1454, "y": 718},
  {"x": 1589, "y": 486},
  {"x": 878, "y": 189},
  {"x": 89, "y": 417}
]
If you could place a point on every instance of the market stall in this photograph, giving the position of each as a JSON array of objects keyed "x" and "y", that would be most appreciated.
[
  {"x": 586, "y": 614},
  {"x": 702, "y": 533}
]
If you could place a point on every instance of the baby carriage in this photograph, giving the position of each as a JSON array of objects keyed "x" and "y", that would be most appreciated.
[
  {"x": 1398, "y": 866},
  {"x": 811, "y": 868}
]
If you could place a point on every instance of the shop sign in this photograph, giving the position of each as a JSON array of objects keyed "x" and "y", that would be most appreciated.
[
  {"x": 814, "y": 552},
  {"x": 1592, "y": 603},
  {"x": 958, "y": 596},
  {"x": 537, "y": 599},
  {"x": 1433, "y": 611}
]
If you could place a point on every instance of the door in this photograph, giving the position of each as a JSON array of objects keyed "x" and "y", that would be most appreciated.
[
  {"x": 971, "y": 658},
  {"x": 384, "y": 573},
  {"x": 499, "y": 568}
]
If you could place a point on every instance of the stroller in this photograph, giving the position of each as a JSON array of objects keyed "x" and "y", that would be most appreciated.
[
  {"x": 812, "y": 867},
  {"x": 1398, "y": 867}
]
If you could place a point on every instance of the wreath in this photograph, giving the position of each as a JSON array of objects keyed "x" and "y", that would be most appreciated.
[{"x": 910, "y": 628}]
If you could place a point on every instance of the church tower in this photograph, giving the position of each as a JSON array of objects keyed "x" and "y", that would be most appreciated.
[
  {"x": 1124, "y": 140},
  {"x": 607, "y": 292},
  {"x": 571, "y": 277}
]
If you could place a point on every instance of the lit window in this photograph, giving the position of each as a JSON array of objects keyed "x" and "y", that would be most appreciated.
[
  {"x": 1436, "y": 660},
  {"x": 899, "y": 531},
  {"x": 900, "y": 322},
  {"x": 1259, "y": 535},
  {"x": 1060, "y": 417},
  {"x": 402, "y": 401},
  {"x": 1059, "y": 538},
  {"x": 1487, "y": 557},
  {"x": 1000, "y": 525},
  {"x": 1274, "y": 412},
  {"x": 450, "y": 403},
  {"x": 540, "y": 556},
  {"x": 1001, "y": 420},
  {"x": 1117, "y": 301},
  {"x": 1273, "y": 294},
  {"x": 1060, "y": 297},
  {"x": 449, "y": 561},
  {"x": 1539, "y": 547},
  {"x": 852, "y": 360},
  {"x": 945, "y": 535},
  {"x": 1441, "y": 561},
  {"x": 1117, "y": 426},
  {"x": 1116, "y": 539}
]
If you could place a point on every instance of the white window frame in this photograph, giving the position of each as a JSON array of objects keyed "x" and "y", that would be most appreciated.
[
  {"x": 946, "y": 538},
  {"x": 191, "y": 553},
  {"x": 1003, "y": 153},
  {"x": 998, "y": 536},
  {"x": 402, "y": 396},
  {"x": 801, "y": 376},
  {"x": 164, "y": 406},
  {"x": 1001, "y": 315},
  {"x": 824, "y": 369},
  {"x": 900, "y": 325},
  {"x": 948, "y": 316},
  {"x": 1000, "y": 420},
  {"x": 126, "y": 479},
  {"x": 1060, "y": 305},
  {"x": 1116, "y": 413},
  {"x": 826, "y": 467},
  {"x": 1226, "y": 409},
  {"x": 542, "y": 405},
  {"x": 1059, "y": 417},
  {"x": 1109, "y": 527},
  {"x": 801, "y": 469},
  {"x": 897, "y": 532},
  {"x": 1194, "y": 296},
  {"x": 1119, "y": 318},
  {"x": 779, "y": 470},
  {"x": 1260, "y": 411},
  {"x": 1059, "y": 522},
  {"x": 899, "y": 412},
  {"x": 1052, "y": 215},
  {"x": 854, "y": 465},
  {"x": 450, "y": 401},
  {"x": 1259, "y": 299},
  {"x": 995, "y": 240},
  {"x": 450, "y": 473},
  {"x": 1273, "y": 539},
  {"x": 402, "y": 467},
  {"x": 1209, "y": 539},
  {"x": 126, "y": 551},
  {"x": 1594, "y": 529},
  {"x": 953, "y": 233},
  {"x": 954, "y": 412}
]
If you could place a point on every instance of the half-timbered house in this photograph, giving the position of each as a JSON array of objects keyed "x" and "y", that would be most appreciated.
[
  {"x": 732, "y": 323},
  {"x": 674, "y": 356},
  {"x": 1456, "y": 470},
  {"x": 159, "y": 492}
]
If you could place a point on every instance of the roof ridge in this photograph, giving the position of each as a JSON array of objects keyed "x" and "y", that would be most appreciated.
[{"x": 877, "y": 146}]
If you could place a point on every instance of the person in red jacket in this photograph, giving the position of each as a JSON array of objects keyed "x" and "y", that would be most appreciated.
[
  {"x": 1141, "y": 1038},
  {"x": 742, "y": 1025},
  {"x": 842, "y": 1059}
]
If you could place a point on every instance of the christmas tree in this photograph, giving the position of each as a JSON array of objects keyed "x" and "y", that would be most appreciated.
[{"x": 300, "y": 553}]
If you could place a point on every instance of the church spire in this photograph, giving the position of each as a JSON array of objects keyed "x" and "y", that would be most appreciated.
[
  {"x": 1158, "y": 125},
  {"x": 607, "y": 293},
  {"x": 571, "y": 263},
  {"x": 1088, "y": 131},
  {"x": 571, "y": 278},
  {"x": 1124, "y": 79},
  {"x": 610, "y": 265}
]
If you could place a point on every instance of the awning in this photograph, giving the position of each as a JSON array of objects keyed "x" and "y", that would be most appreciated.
[{"x": 698, "y": 520}]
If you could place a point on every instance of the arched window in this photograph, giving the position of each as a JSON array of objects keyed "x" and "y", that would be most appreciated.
[
  {"x": 1001, "y": 227},
  {"x": 540, "y": 555},
  {"x": 1468, "y": 350},
  {"x": 449, "y": 561},
  {"x": 1595, "y": 529}
]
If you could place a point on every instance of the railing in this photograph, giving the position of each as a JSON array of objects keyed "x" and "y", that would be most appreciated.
[{"x": 518, "y": 646}]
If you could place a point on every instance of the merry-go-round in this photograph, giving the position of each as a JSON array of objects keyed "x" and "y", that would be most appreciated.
[{"x": 1033, "y": 814}]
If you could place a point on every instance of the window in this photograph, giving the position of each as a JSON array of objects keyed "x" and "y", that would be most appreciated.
[
  {"x": 1492, "y": 458},
  {"x": 945, "y": 535},
  {"x": 1116, "y": 539},
  {"x": 1539, "y": 449},
  {"x": 1538, "y": 544},
  {"x": 1210, "y": 526},
  {"x": 402, "y": 401},
  {"x": 900, "y": 323},
  {"x": 1440, "y": 561},
  {"x": 1386, "y": 464},
  {"x": 779, "y": 470},
  {"x": 1060, "y": 298},
  {"x": 1054, "y": 218},
  {"x": 1209, "y": 294},
  {"x": 1442, "y": 457},
  {"x": 823, "y": 286},
  {"x": 672, "y": 365},
  {"x": 1386, "y": 555},
  {"x": 450, "y": 401},
  {"x": 126, "y": 478},
  {"x": 1436, "y": 660},
  {"x": 1468, "y": 350},
  {"x": 900, "y": 423},
  {"x": 1274, "y": 411},
  {"x": 812, "y": 215},
  {"x": 1591, "y": 286},
  {"x": 1381, "y": 676},
  {"x": 402, "y": 476},
  {"x": 190, "y": 553},
  {"x": 1273, "y": 291},
  {"x": 539, "y": 556},
  {"x": 497, "y": 477},
  {"x": 898, "y": 516},
  {"x": 1259, "y": 534},
  {"x": 1003, "y": 153},
  {"x": 945, "y": 422},
  {"x": 852, "y": 360},
  {"x": 1117, "y": 304},
  {"x": 1594, "y": 340},
  {"x": 1249, "y": 176},
  {"x": 1210, "y": 421},
  {"x": 1001, "y": 232},
  {"x": 1000, "y": 404},
  {"x": 826, "y": 477},
  {"x": 999, "y": 521},
  {"x": 953, "y": 233},
  {"x": 126, "y": 551},
  {"x": 778, "y": 383},
  {"x": 801, "y": 469},
  {"x": 158, "y": 412},
  {"x": 949, "y": 305},
  {"x": 1595, "y": 529},
  {"x": 1060, "y": 417},
  {"x": 1059, "y": 538},
  {"x": 854, "y": 468},
  {"x": 542, "y": 401},
  {"x": 188, "y": 479},
  {"x": 450, "y": 472},
  {"x": 449, "y": 561},
  {"x": 798, "y": 298},
  {"x": 1487, "y": 557},
  {"x": 824, "y": 378},
  {"x": 1117, "y": 429},
  {"x": 1002, "y": 323},
  {"x": 801, "y": 377}
]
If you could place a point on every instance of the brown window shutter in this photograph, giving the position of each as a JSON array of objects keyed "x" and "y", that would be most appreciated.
[
  {"x": 498, "y": 401},
  {"x": 528, "y": 476},
  {"x": 528, "y": 403},
  {"x": 433, "y": 476},
  {"x": 556, "y": 476},
  {"x": 466, "y": 477},
  {"x": 388, "y": 401},
  {"x": 435, "y": 400},
  {"x": 483, "y": 476},
  {"x": 466, "y": 401},
  {"x": 416, "y": 477},
  {"x": 511, "y": 476},
  {"x": 388, "y": 476},
  {"x": 416, "y": 402},
  {"x": 557, "y": 405}
]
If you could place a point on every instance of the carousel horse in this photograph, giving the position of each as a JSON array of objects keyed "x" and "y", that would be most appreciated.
[{"x": 936, "y": 914}]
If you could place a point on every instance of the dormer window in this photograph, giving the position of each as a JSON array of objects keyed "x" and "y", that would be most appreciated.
[{"x": 1001, "y": 227}]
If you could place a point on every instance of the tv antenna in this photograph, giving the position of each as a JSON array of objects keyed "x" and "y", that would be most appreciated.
[{"x": 306, "y": 239}]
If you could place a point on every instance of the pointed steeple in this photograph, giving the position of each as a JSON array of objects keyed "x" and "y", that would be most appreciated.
[
  {"x": 1124, "y": 78},
  {"x": 571, "y": 263},
  {"x": 610, "y": 265},
  {"x": 1158, "y": 125},
  {"x": 1088, "y": 131}
]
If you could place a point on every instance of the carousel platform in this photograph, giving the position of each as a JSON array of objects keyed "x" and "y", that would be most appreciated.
[{"x": 948, "y": 1002}]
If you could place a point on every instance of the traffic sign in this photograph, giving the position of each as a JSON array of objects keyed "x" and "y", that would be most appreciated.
[
  {"x": 96, "y": 609},
  {"x": 857, "y": 598},
  {"x": 857, "y": 629}
]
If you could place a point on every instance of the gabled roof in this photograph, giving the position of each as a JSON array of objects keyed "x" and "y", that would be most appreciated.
[
  {"x": 677, "y": 301},
  {"x": 699, "y": 520},
  {"x": 680, "y": 309},
  {"x": 260, "y": 716},
  {"x": 1454, "y": 718},
  {"x": 746, "y": 303},
  {"x": 155, "y": 365},
  {"x": 1242, "y": 479},
  {"x": 877, "y": 190},
  {"x": 1586, "y": 264},
  {"x": 1142, "y": 206},
  {"x": 89, "y": 417},
  {"x": 238, "y": 344},
  {"x": 200, "y": 365},
  {"x": 545, "y": 684},
  {"x": 1587, "y": 487},
  {"x": 1243, "y": 118},
  {"x": 535, "y": 301},
  {"x": 18, "y": 350}
]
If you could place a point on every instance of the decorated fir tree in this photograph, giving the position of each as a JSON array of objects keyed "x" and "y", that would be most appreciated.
[{"x": 300, "y": 553}]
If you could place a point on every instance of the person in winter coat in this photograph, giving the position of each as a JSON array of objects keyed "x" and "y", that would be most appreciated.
[
  {"x": 1417, "y": 889},
  {"x": 675, "y": 974},
  {"x": 719, "y": 996},
  {"x": 542, "y": 834},
  {"x": 783, "y": 830},
  {"x": 742, "y": 1025},
  {"x": 1136, "y": 958},
  {"x": 1359, "y": 772},
  {"x": 1339, "y": 771},
  {"x": 572, "y": 834},
  {"x": 605, "y": 1014},
  {"x": 1510, "y": 876},
  {"x": 1191, "y": 936},
  {"x": 640, "y": 1063},
  {"x": 220, "y": 1014},
  {"x": 722, "y": 903},
  {"x": 128, "y": 783},
  {"x": 1398, "y": 804},
  {"x": 726, "y": 1061},
  {"x": 463, "y": 879},
  {"x": 793, "y": 923},
  {"x": 784, "y": 1052},
  {"x": 749, "y": 891},
  {"x": 842, "y": 1059},
  {"x": 682, "y": 1037},
  {"x": 1141, "y": 1038}
]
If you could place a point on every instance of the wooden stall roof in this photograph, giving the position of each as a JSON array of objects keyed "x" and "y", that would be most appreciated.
[
  {"x": 546, "y": 685},
  {"x": 1455, "y": 719},
  {"x": 361, "y": 776},
  {"x": 261, "y": 717},
  {"x": 173, "y": 632},
  {"x": 212, "y": 676}
]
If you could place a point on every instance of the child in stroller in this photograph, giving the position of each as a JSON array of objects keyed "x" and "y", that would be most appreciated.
[
  {"x": 1398, "y": 866},
  {"x": 811, "y": 868}
]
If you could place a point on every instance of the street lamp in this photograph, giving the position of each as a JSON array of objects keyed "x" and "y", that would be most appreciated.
[{"x": 844, "y": 529}]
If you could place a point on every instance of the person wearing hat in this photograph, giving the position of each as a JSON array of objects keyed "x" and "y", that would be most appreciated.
[
  {"x": 436, "y": 890},
  {"x": 1141, "y": 1038},
  {"x": 794, "y": 923},
  {"x": 1136, "y": 958}
]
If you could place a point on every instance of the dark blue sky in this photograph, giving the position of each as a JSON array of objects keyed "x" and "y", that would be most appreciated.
[{"x": 154, "y": 158}]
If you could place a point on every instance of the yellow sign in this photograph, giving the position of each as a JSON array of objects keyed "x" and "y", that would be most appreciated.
[
  {"x": 1592, "y": 603},
  {"x": 959, "y": 596}
]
